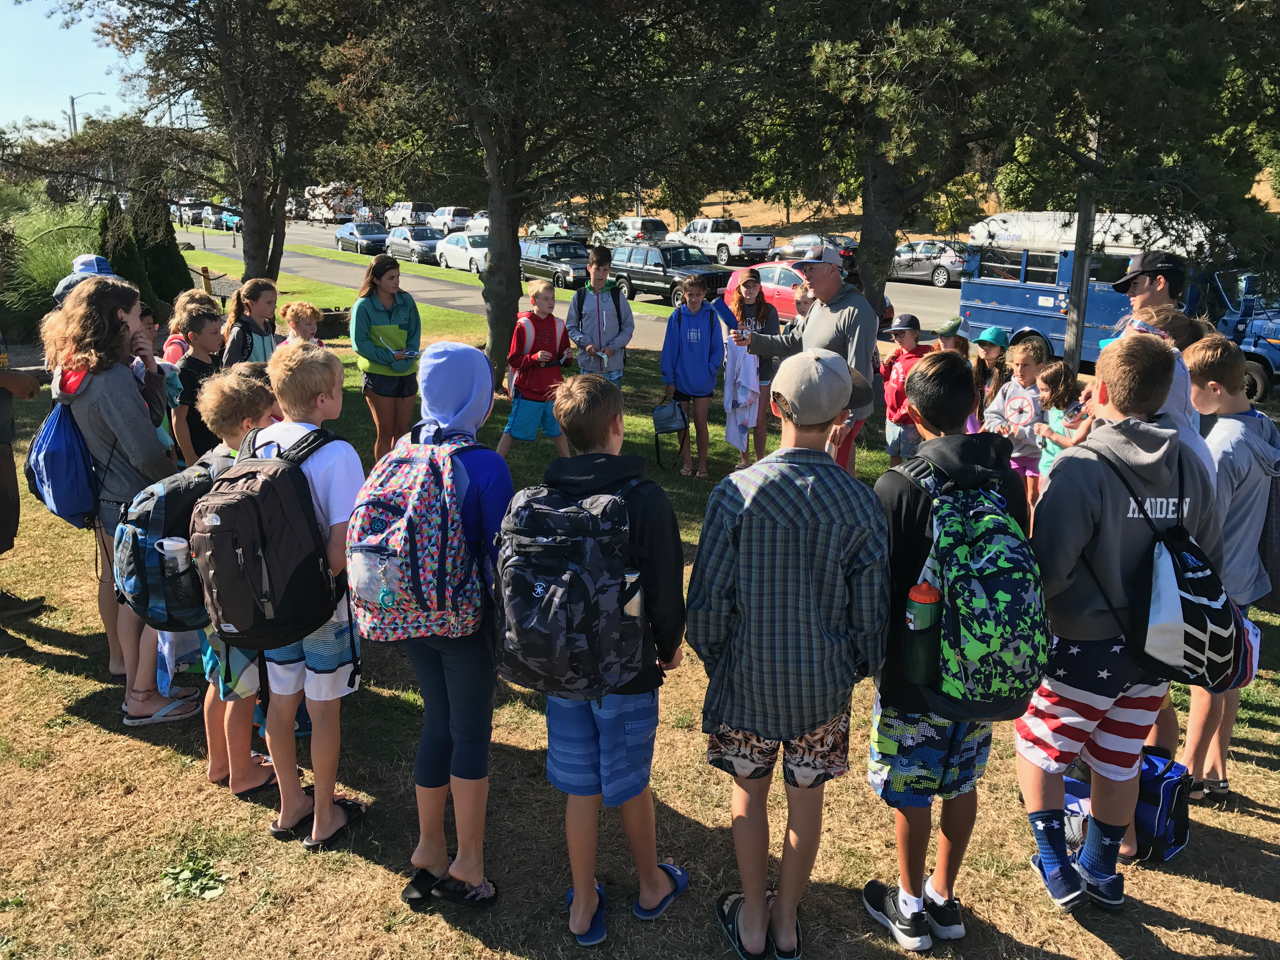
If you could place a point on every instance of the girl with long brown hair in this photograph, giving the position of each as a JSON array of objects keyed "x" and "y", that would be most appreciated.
[
  {"x": 386, "y": 331},
  {"x": 89, "y": 344},
  {"x": 756, "y": 315},
  {"x": 250, "y": 330}
]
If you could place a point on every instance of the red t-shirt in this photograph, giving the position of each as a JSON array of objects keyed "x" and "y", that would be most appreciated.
[
  {"x": 536, "y": 380},
  {"x": 894, "y": 371}
]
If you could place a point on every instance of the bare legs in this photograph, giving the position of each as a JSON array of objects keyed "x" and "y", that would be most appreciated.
[
  {"x": 108, "y": 609},
  {"x": 228, "y": 730},
  {"x": 392, "y": 416},
  {"x": 914, "y": 828},
  {"x": 470, "y": 801},
  {"x": 699, "y": 420},
  {"x": 326, "y": 741}
]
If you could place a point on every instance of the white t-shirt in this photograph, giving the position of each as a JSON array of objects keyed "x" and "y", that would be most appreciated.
[{"x": 334, "y": 473}]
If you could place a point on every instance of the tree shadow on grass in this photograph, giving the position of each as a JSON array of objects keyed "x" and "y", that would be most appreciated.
[
  {"x": 1132, "y": 933},
  {"x": 1229, "y": 860}
]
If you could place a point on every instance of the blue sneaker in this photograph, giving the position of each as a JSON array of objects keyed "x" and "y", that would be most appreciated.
[
  {"x": 1105, "y": 892},
  {"x": 1063, "y": 885},
  {"x": 301, "y": 722}
]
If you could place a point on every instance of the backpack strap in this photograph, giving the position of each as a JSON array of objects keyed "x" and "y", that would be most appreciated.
[
  {"x": 313, "y": 441},
  {"x": 580, "y": 300}
]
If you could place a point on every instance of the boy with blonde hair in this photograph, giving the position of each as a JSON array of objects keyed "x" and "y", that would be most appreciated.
[
  {"x": 1246, "y": 452},
  {"x": 540, "y": 346},
  {"x": 307, "y": 380}
]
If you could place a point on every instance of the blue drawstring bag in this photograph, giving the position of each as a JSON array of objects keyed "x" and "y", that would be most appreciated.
[{"x": 60, "y": 470}]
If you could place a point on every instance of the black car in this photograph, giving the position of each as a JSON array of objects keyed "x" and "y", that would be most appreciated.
[
  {"x": 659, "y": 269},
  {"x": 367, "y": 238},
  {"x": 563, "y": 262}
]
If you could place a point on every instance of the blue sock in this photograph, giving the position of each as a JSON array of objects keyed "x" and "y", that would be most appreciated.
[
  {"x": 1101, "y": 847},
  {"x": 1051, "y": 838}
]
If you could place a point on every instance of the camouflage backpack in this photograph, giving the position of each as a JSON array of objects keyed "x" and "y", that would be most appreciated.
[
  {"x": 561, "y": 566},
  {"x": 995, "y": 631}
]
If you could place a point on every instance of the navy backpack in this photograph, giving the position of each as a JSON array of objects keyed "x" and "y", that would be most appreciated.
[{"x": 60, "y": 470}]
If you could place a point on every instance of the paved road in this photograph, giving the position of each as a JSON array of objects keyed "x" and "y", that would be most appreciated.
[{"x": 931, "y": 305}]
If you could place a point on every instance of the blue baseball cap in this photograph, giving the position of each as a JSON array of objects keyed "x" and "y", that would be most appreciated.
[
  {"x": 92, "y": 264},
  {"x": 993, "y": 335}
]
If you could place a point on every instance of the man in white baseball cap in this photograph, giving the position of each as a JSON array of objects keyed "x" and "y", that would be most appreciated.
[{"x": 841, "y": 321}]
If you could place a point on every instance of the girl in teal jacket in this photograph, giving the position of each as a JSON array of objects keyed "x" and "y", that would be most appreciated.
[{"x": 385, "y": 333}]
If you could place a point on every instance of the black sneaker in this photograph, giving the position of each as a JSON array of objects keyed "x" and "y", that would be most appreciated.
[
  {"x": 14, "y": 606},
  {"x": 944, "y": 918},
  {"x": 10, "y": 644},
  {"x": 882, "y": 903}
]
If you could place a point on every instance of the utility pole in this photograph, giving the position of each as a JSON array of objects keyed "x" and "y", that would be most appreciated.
[
  {"x": 93, "y": 93},
  {"x": 1078, "y": 299}
]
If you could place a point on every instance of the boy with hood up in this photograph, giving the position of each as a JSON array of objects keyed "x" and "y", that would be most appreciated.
[
  {"x": 1246, "y": 451},
  {"x": 1091, "y": 540}
]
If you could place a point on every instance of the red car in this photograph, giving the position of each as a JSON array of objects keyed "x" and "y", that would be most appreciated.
[{"x": 778, "y": 281}]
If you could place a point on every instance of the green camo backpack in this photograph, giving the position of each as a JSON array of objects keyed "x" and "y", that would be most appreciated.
[{"x": 995, "y": 631}]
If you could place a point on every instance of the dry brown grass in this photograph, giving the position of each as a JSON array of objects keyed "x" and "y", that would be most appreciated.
[{"x": 90, "y": 815}]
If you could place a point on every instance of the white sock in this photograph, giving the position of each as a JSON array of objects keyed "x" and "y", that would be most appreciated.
[
  {"x": 908, "y": 904},
  {"x": 933, "y": 894}
]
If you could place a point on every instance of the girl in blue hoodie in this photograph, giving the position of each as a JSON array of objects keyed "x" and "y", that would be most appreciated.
[{"x": 692, "y": 353}]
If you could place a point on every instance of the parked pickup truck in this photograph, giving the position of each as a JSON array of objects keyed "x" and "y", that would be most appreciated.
[{"x": 724, "y": 240}]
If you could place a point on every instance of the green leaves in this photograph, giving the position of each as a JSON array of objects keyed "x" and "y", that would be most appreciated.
[{"x": 194, "y": 878}]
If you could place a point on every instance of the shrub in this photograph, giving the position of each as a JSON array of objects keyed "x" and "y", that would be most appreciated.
[{"x": 49, "y": 237}]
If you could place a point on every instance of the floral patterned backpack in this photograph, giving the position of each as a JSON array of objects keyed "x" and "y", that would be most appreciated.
[{"x": 409, "y": 566}]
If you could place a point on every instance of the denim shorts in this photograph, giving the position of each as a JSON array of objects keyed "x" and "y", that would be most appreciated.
[
  {"x": 602, "y": 747},
  {"x": 901, "y": 440},
  {"x": 387, "y": 386},
  {"x": 527, "y": 415}
]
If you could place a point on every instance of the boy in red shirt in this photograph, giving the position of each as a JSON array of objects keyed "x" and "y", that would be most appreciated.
[
  {"x": 539, "y": 347},
  {"x": 900, "y": 433}
]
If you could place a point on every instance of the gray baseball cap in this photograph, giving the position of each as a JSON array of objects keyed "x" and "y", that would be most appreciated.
[
  {"x": 813, "y": 386},
  {"x": 824, "y": 255}
]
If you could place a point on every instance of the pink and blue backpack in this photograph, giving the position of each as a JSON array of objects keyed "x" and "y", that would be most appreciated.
[{"x": 409, "y": 566}]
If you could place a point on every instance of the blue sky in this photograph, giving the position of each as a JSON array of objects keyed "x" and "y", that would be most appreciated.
[{"x": 41, "y": 65}]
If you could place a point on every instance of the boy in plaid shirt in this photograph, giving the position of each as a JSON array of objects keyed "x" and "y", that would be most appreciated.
[{"x": 783, "y": 653}]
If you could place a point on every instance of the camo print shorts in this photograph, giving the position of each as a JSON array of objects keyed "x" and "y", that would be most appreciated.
[{"x": 808, "y": 761}]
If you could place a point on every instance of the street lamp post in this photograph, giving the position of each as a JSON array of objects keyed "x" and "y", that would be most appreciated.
[{"x": 92, "y": 93}]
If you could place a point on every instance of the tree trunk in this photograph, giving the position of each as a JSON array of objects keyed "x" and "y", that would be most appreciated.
[
  {"x": 885, "y": 202},
  {"x": 502, "y": 289},
  {"x": 280, "y": 198},
  {"x": 259, "y": 227}
]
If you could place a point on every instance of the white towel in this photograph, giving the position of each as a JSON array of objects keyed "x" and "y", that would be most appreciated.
[{"x": 741, "y": 392}]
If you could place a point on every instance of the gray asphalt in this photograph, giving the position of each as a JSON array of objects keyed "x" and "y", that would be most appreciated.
[{"x": 933, "y": 306}]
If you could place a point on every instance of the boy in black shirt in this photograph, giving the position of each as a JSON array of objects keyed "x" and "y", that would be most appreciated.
[
  {"x": 201, "y": 326},
  {"x": 916, "y": 755}
]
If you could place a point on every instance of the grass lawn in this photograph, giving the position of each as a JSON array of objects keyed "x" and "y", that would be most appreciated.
[
  {"x": 454, "y": 276},
  {"x": 93, "y": 813}
]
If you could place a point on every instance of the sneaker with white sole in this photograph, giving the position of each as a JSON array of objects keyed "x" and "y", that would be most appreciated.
[
  {"x": 881, "y": 902},
  {"x": 1063, "y": 885},
  {"x": 12, "y": 605},
  {"x": 1105, "y": 892},
  {"x": 945, "y": 919}
]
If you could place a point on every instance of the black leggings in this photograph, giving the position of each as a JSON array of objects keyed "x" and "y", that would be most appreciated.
[{"x": 457, "y": 679}]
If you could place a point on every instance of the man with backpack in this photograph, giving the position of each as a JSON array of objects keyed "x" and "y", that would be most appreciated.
[
  {"x": 916, "y": 754},
  {"x": 599, "y": 321},
  {"x": 591, "y": 571},
  {"x": 1095, "y": 543}
]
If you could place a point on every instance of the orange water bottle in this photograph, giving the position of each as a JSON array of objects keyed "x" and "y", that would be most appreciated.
[{"x": 923, "y": 647}]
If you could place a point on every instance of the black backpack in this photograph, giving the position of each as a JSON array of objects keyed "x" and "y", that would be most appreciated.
[
  {"x": 257, "y": 545},
  {"x": 561, "y": 566},
  {"x": 1181, "y": 624}
]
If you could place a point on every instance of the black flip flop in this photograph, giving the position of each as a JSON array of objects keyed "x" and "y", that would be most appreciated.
[
  {"x": 417, "y": 892},
  {"x": 728, "y": 906},
  {"x": 355, "y": 813},
  {"x": 300, "y": 829},
  {"x": 452, "y": 890},
  {"x": 254, "y": 791}
]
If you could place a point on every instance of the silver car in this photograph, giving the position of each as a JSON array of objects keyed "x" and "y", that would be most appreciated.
[
  {"x": 464, "y": 251},
  {"x": 449, "y": 219},
  {"x": 941, "y": 262},
  {"x": 415, "y": 244}
]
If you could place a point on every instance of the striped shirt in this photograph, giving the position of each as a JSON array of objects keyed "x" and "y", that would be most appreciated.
[{"x": 789, "y": 597}]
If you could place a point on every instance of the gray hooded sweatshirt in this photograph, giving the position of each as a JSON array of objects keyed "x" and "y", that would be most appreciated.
[
  {"x": 1018, "y": 407},
  {"x": 599, "y": 323},
  {"x": 1246, "y": 449},
  {"x": 112, "y": 415},
  {"x": 1087, "y": 510}
]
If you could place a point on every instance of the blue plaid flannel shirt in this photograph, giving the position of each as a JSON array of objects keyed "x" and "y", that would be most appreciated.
[{"x": 789, "y": 599}]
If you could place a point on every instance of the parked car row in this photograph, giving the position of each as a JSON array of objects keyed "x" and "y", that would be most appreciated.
[{"x": 415, "y": 244}]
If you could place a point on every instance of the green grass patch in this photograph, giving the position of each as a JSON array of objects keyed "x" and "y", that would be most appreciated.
[
  {"x": 194, "y": 879},
  {"x": 452, "y": 276}
]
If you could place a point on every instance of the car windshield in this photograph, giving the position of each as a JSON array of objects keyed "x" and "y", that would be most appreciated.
[
  {"x": 478, "y": 239},
  {"x": 561, "y": 251},
  {"x": 369, "y": 229},
  {"x": 425, "y": 233},
  {"x": 684, "y": 256}
]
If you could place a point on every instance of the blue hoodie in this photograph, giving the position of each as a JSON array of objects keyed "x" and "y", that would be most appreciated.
[
  {"x": 693, "y": 350},
  {"x": 456, "y": 384}
]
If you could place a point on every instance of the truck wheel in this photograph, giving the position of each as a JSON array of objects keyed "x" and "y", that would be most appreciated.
[
  {"x": 1257, "y": 382},
  {"x": 676, "y": 296},
  {"x": 624, "y": 288},
  {"x": 1044, "y": 345},
  {"x": 940, "y": 277},
  {"x": 722, "y": 255},
  {"x": 558, "y": 281}
]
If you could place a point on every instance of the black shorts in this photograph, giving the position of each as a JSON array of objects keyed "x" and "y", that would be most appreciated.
[
  {"x": 685, "y": 397},
  {"x": 388, "y": 386},
  {"x": 10, "y": 499}
]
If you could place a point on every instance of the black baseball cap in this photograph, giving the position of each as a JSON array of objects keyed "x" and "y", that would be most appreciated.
[
  {"x": 1151, "y": 261},
  {"x": 905, "y": 321}
]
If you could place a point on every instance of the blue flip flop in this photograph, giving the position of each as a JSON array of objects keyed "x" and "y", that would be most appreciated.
[
  {"x": 681, "y": 877},
  {"x": 595, "y": 933}
]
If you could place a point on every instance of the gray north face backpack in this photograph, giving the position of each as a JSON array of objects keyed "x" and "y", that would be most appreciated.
[{"x": 561, "y": 575}]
